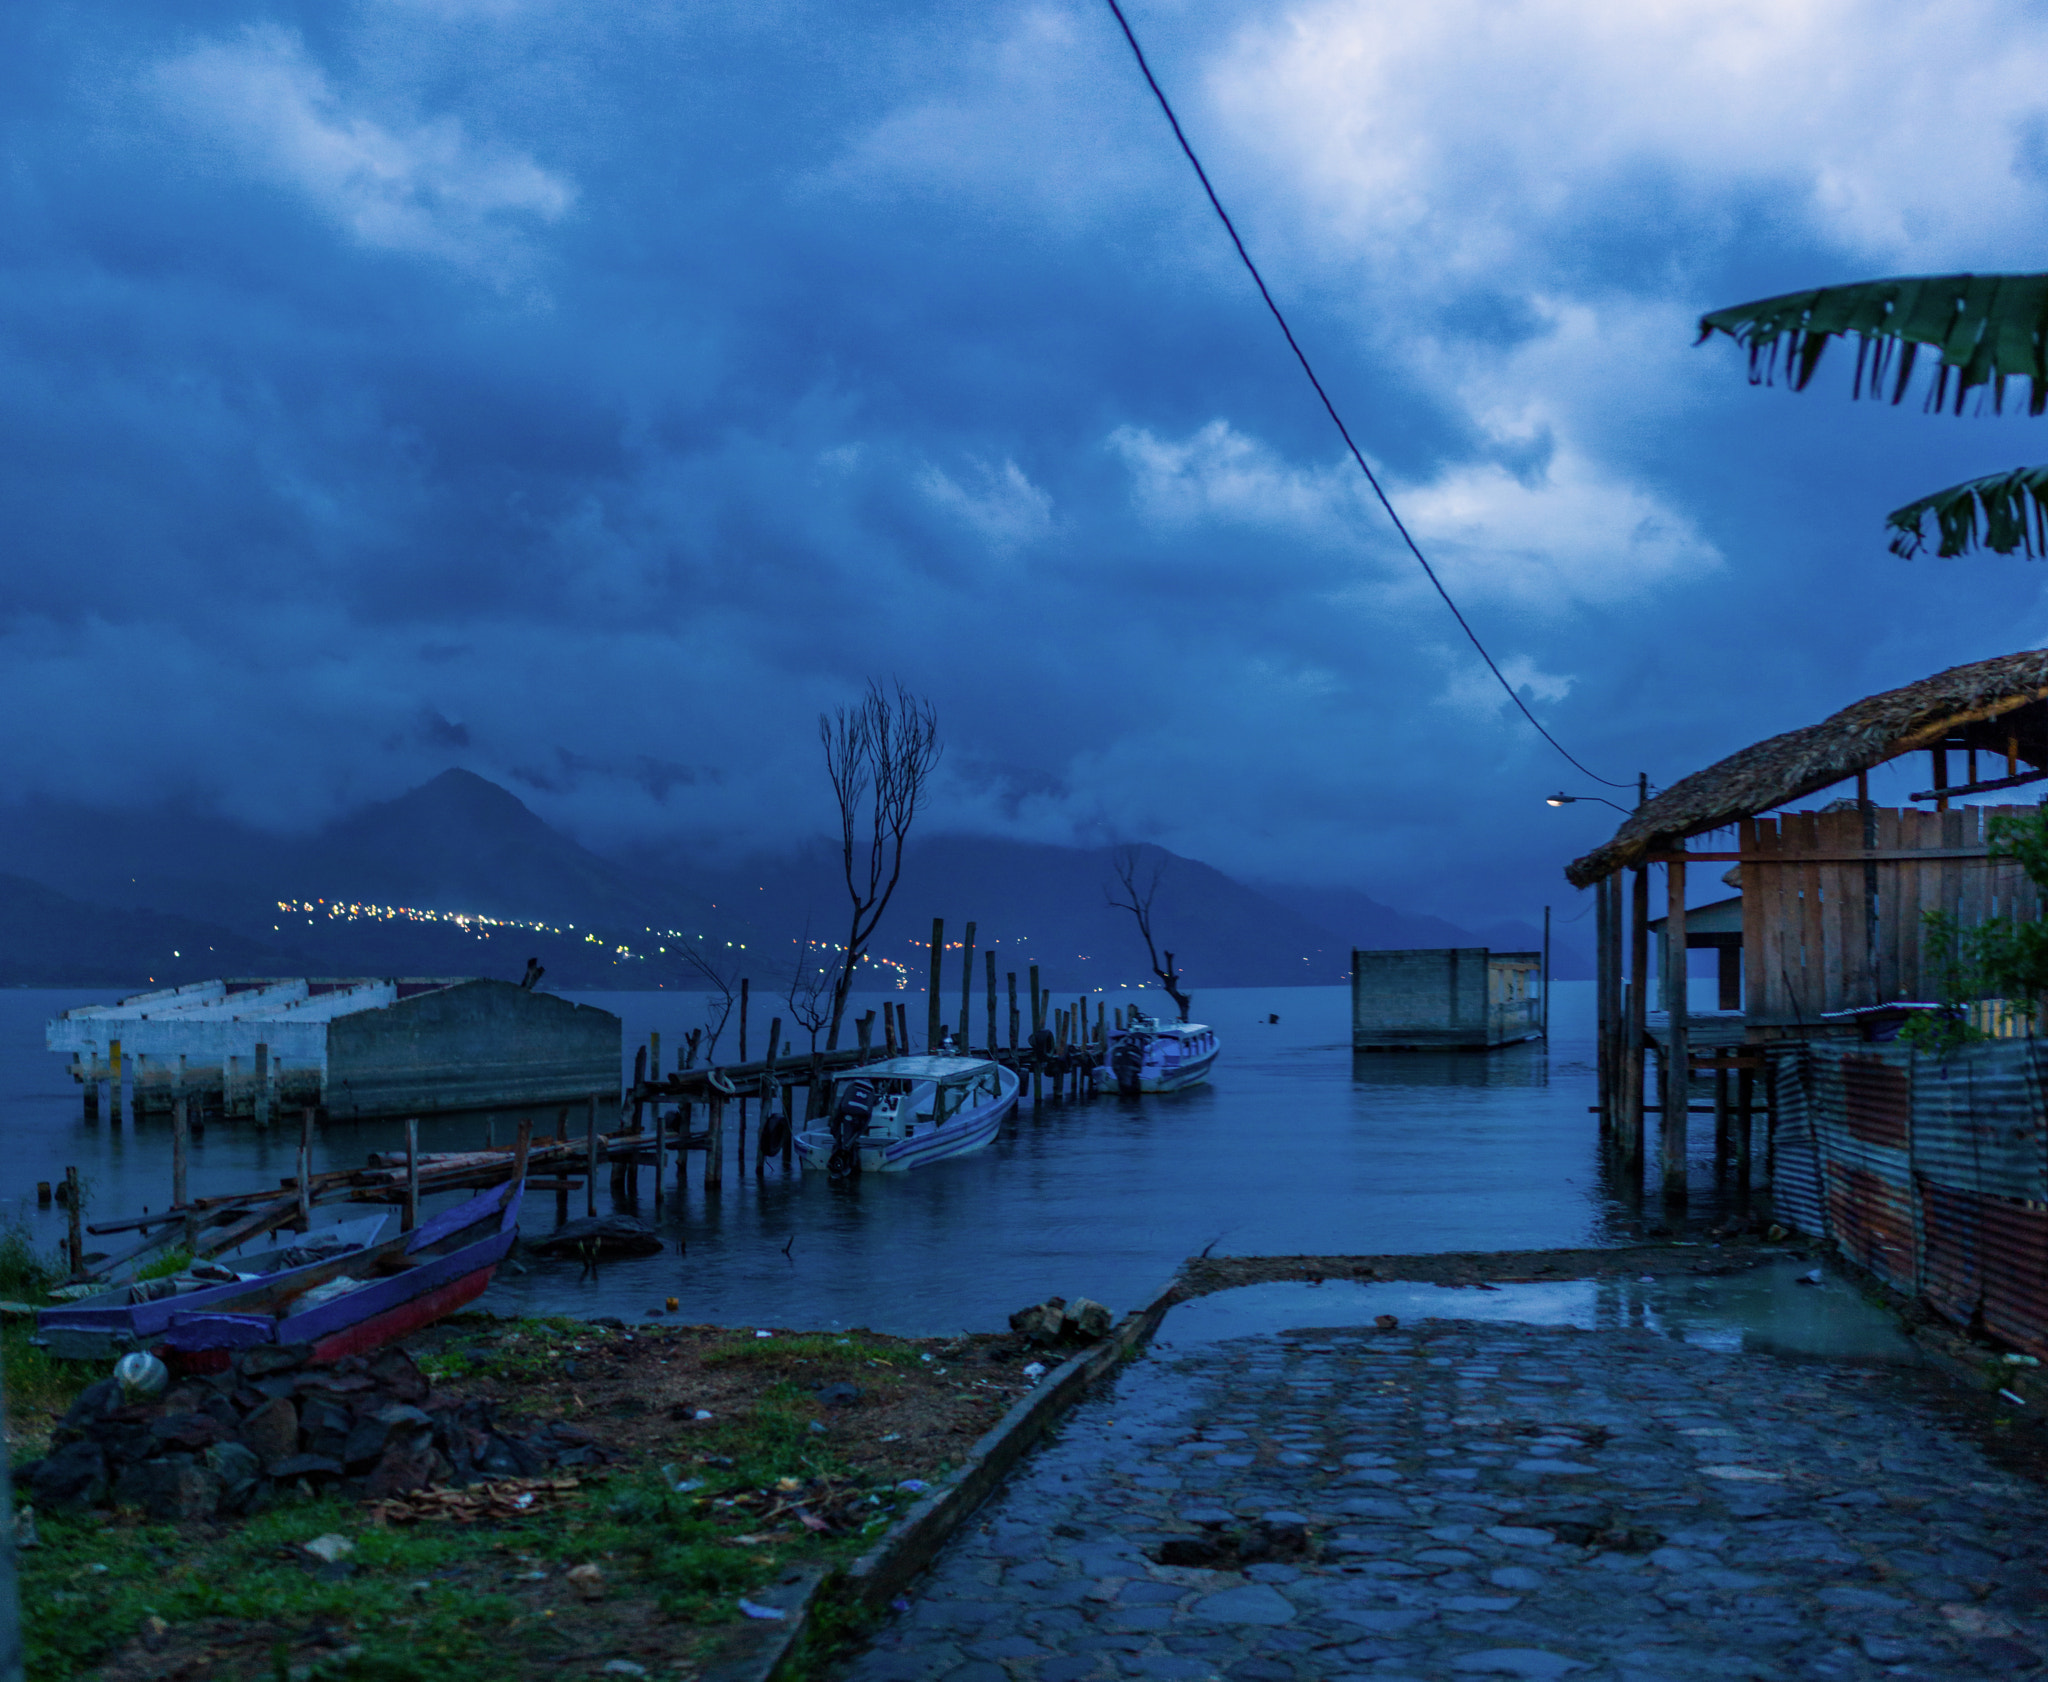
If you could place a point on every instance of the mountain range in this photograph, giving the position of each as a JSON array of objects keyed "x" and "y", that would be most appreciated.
[{"x": 458, "y": 876}]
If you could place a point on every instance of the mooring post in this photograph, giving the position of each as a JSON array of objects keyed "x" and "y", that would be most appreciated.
[
  {"x": 714, "y": 1157},
  {"x": 590, "y": 1158},
  {"x": 768, "y": 1096},
  {"x": 562, "y": 1185},
  {"x": 1678, "y": 1063},
  {"x": 864, "y": 1027},
  {"x": 1722, "y": 1142},
  {"x": 180, "y": 1138},
  {"x": 305, "y": 1216},
  {"x": 1638, "y": 1023},
  {"x": 966, "y": 987},
  {"x": 931, "y": 1024},
  {"x": 903, "y": 1028},
  {"x": 888, "y": 1031},
  {"x": 1745, "y": 1094},
  {"x": 1013, "y": 1012},
  {"x": 741, "y": 1130},
  {"x": 75, "y": 1222},
  {"x": 1037, "y": 1025},
  {"x": 989, "y": 960},
  {"x": 411, "y": 1217}
]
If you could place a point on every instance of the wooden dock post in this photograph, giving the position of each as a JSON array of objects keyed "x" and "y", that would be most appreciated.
[
  {"x": 74, "y": 1222},
  {"x": 1037, "y": 1026},
  {"x": 114, "y": 1082},
  {"x": 305, "y": 1188},
  {"x": 931, "y": 1027},
  {"x": 590, "y": 1158},
  {"x": 562, "y": 1185},
  {"x": 1678, "y": 1060},
  {"x": 1637, "y": 1025},
  {"x": 888, "y": 1030},
  {"x": 1013, "y": 1012},
  {"x": 180, "y": 1140},
  {"x": 714, "y": 1156},
  {"x": 1723, "y": 1143},
  {"x": 864, "y": 1029},
  {"x": 1606, "y": 952},
  {"x": 660, "y": 1152},
  {"x": 768, "y": 1098},
  {"x": 966, "y": 988},
  {"x": 1745, "y": 1094},
  {"x": 91, "y": 1083},
  {"x": 903, "y": 1029},
  {"x": 989, "y": 958},
  {"x": 262, "y": 1085},
  {"x": 411, "y": 1216},
  {"x": 746, "y": 989}
]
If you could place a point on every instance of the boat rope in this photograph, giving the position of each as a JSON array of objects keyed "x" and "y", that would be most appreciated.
[{"x": 1343, "y": 431}]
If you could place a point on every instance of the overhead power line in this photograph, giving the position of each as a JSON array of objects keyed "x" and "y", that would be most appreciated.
[{"x": 1330, "y": 408}]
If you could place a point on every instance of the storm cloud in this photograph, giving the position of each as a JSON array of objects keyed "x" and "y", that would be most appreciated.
[{"x": 589, "y": 396}]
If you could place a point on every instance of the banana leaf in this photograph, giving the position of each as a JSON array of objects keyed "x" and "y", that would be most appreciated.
[
  {"x": 1986, "y": 328},
  {"x": 2002, "y": 511}
]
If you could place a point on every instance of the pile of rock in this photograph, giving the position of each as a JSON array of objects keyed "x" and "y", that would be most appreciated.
[
  {"x": 276, "y": 1422},
  {"x": 1056, "y": 1320}
]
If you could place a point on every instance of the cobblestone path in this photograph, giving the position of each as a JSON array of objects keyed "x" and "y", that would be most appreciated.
[{"x": 1454, "y": 1500}]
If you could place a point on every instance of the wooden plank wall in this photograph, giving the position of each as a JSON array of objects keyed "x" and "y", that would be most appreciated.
[{"x": 1824, "y": 930}]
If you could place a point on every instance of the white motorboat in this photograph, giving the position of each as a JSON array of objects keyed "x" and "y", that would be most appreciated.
[
  {"x": 907, "y": 1111},
  {"x": 1153, "y": 1056}
]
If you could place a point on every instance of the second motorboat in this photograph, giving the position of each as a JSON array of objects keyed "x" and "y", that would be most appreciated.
[
  {"x": 1152, "y": 1056},
  {"x": 907, "y": 1111}
]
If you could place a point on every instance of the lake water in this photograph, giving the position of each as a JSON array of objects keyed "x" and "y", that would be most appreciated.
[{"x": 1294, "y": 1147}]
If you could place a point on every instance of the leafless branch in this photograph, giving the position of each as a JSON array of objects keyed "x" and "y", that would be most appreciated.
[
  {"x": 721, "y": 994},
  {"x": 1137, "y": 899},
  {"x": 879, "y": 756}
]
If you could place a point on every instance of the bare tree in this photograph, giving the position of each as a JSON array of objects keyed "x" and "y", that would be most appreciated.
[
  {"x": 721, "y": 994},
  {"x": 1139, "y": 887},
  {"x": 810, "y": 985},
  {"x": 879, "y": 754}
]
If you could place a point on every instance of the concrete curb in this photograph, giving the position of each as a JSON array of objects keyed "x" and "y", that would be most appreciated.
[{"x": 768, "y": 1651}]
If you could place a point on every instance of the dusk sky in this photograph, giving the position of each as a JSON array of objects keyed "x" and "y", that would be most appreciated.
[{"x": 589, "y": 395}]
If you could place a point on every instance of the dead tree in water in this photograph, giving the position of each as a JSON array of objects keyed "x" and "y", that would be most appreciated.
[
  {"x": 1137, "y": 900},
  {"x": 879, "y": 755},
  {"x": 721, "y": 981}
]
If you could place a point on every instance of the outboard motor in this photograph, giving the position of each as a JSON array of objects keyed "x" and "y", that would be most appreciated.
[
  {"x": 851, "y": 1109},
  {"x": 1127, "y": 1062}
]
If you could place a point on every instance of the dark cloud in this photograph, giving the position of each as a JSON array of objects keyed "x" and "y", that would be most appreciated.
[{"x": 590, "y": 396}]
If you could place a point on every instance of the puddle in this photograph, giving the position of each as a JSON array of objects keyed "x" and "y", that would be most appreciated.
[{"x": 1765, "y": 1309}]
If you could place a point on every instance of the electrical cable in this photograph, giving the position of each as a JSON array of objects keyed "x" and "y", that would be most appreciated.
[{"x": 1344, "y": 432}]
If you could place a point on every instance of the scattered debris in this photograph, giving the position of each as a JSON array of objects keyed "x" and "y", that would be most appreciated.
[
  {"x": 586, "y": 1580},
  {"x": 599, "y": 1236},
  {"x": 1055, "y": 1320}
]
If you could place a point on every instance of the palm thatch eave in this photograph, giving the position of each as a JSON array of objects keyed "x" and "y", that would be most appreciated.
[{"x": 1961, "y": 702}]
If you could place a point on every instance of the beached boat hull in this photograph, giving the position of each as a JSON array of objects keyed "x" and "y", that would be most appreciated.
[
  {"x": 961, "y": 1135},
  {"x": 472, "y": 1238},
  {"x": 127, "y": 1317}
]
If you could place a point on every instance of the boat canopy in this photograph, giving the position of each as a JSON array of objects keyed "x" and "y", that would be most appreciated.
[{"x": 946, "y": 1071}]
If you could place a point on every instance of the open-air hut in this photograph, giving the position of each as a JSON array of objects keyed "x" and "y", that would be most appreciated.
[{"x": 1832, "y": 899}]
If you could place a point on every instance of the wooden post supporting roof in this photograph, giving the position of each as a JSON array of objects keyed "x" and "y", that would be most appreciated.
[
  {"x": 1636, "y": 1027},
  {"x": 1678, "y": 1085}
]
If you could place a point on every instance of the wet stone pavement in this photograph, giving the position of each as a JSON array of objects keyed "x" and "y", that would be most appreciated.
[{"x": 1454, "y": 1500}]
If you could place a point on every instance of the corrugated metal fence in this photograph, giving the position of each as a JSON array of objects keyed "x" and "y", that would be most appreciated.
[{"x": 1932, "y": 1172}]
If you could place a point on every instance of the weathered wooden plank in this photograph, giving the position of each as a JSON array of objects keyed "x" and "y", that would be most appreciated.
[
  {"x": 1889, "y": 875},
  {"x": 1774, "y": 1002},
  {"x": 1807, "y": 977},
  {"x": 1834, "y": 830}
]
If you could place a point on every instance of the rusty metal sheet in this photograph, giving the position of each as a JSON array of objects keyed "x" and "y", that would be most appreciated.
[
  {"x": 1877, "y": 1100},
  {"x": 1978, "y": 1120},
  {"x": 1952, "y": 1250},
  {"x": 2015, "y": 1249},
  {"x": 1796, "y": 1200},
  {"x": 1862, "y": 1114}
]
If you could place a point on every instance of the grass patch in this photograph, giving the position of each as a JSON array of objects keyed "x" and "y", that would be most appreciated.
[
  {"x": 26, "y": 1273},
  {"x": 514, "y": 1350},
  {"x": 174, "y": 1261},
  {"x": 39, "y": 1387},
  {"x": 816, "y": 1348}
]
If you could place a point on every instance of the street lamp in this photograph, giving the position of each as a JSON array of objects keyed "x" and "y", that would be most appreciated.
[{"x": 1563, "y": 799}]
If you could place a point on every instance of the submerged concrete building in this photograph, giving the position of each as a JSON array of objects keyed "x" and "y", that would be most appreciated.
[
  {"x": 350, "y": 1047},
  {"x": 1445, "y": 998}
]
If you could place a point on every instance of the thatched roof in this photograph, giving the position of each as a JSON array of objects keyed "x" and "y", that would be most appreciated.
[{"x": 1957, "y": 705}]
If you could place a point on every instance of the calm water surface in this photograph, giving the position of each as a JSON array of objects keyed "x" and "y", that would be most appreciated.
[{"x": 1296, "y": 1146}]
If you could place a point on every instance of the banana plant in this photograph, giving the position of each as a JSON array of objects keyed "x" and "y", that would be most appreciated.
[{"x": 1985, "y": 330}]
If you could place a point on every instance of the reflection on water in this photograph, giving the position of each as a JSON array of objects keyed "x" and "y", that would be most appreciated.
[
  {"x": 1296, "y": 1146},
  {"x": 1769, "y": 1308}
]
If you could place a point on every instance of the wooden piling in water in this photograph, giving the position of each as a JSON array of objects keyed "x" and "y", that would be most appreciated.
[
  {"x": 411, "y": 1216},
  {"x": 768, "y": 1099},
  {"x": 1637, "y": 1025},
  {"x": 966, "y": 988},
  {"x": 864, "y": 1031},
  {"x": 1678, "y": 1062},
  {"x": 888, "y": 1031},
  {"x": 562, "y": 1185},
  {"x": 931, "y": 1031},
  {"x": 714, "y": 1157},
  {"x": 74, "y": 1223},
  {"x": 590, "y": 1159},
  {"x": 1037, "y": 1024},
  {"x": 903, "y": 1029},
  {"x": 305, "y": 1217},
  {"x": 1013, "y": 1011},
  {"x": 990, "y": 959},
  {"x": 262, "y": 1086}
]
